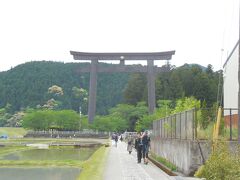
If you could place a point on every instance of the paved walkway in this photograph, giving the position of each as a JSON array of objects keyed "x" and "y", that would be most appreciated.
[{"x": 123, "y": 166}]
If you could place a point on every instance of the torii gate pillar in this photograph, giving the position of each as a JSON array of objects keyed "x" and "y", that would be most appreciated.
[
  {"x": 92, "y": 91},
  {"x": 151, "y": 86}
]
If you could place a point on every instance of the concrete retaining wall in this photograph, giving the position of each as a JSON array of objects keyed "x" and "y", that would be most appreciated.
[{"x": 185, "y": 154}]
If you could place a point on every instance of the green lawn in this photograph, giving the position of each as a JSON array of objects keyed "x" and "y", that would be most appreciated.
[{"x": 12, "y": 132}]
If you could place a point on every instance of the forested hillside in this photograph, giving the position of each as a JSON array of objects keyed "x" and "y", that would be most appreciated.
[
  {"x": 185, "y": 81},
  {"x": 27, "y": 85}
]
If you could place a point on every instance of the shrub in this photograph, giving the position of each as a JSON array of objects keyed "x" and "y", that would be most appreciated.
[{"x": 221, "y": 165}]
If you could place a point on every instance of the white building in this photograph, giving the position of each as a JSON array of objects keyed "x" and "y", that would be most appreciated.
[{"x": 230, "y": 85}]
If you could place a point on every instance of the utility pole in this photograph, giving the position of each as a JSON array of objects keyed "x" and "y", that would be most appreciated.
[{"x": 80, "y": 114}]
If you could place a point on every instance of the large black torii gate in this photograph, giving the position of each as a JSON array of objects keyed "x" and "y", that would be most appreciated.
[{"x": 150, "y": 69}]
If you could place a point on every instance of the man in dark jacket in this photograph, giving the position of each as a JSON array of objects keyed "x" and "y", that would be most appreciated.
[
  {"x": 138, "y": 147},
  {"x": 116, "y": 139},
  {"x": 146, "y": 144}
]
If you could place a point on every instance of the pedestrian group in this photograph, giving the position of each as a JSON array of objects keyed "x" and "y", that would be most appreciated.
[{"x": 141, "y": 143}]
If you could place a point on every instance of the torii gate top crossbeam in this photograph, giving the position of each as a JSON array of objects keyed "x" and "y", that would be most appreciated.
[{"x": 167, "y": 55}]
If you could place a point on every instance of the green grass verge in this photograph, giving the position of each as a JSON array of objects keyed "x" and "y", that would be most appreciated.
[
  {"x": 164, "y": 161},
  {"x": 93, "y": 168}
]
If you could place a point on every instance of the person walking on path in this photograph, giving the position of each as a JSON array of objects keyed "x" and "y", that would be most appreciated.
[
  {"x": 138, "y": 147},
  {"x": 129, "y": 143},
  {"x": 121, "y": 138},
  {"x": 120, "y": 165},
  {"x": 116, "y": 139},
  {"x": 146, "y": 145}
]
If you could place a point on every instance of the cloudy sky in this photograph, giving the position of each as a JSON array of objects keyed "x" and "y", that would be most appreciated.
[{"x": 201, "y": 31}]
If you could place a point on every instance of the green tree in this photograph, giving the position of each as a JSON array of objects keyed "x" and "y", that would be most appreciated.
[
  {"x": 80, "y": 99},
  {"x": 49, "y": 119},
  {"x": 175, "y": 87},
  {"x": 131, "y": 113},
  {"x": 122, "y": 117},
  {"x": 145, "y": 122},
  {"x": 163, "y": 86},
  {"x": 84, "y": 123},
  {"x": 50, "y": 104},
  {"x": 209, "y": 70},
  {"x": 186, "y": 103},
  {"x": 189, "y": 80},
  {"x": 110, "y": 123},
  {"x": 15, "y": 120},
  {"x": 67, "y": 120},
  {"x": 5, "y": 114},
  {"x": 35, "y": 120},
  {"x": 56, "y": 90},
  {"x": 3, "y": 118},
  {"x": 136, "y": 89}
]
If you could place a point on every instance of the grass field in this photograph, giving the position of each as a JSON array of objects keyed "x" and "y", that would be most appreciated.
[{"x": 12, "y": 132}]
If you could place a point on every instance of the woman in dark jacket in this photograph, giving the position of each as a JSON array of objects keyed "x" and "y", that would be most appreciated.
[{"x": 138, "y": 147}]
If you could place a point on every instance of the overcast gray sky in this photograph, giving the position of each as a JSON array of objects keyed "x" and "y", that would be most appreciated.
[{"x": 34, "y": 30}]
